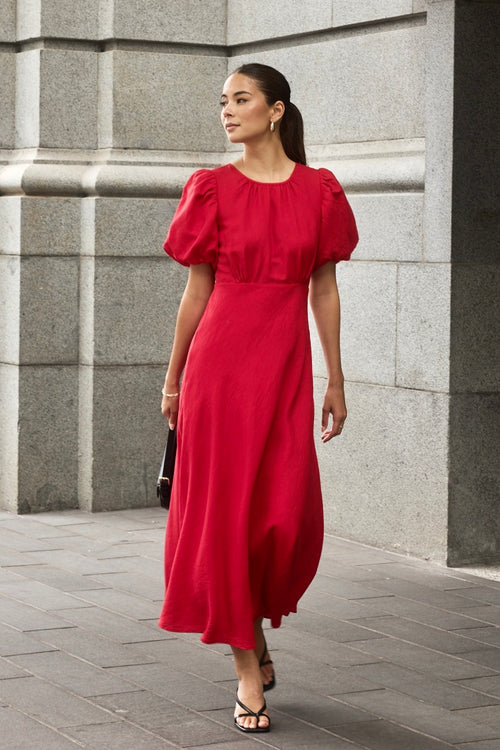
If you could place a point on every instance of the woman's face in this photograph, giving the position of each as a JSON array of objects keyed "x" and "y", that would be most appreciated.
[{"x": 245, "y": 114}]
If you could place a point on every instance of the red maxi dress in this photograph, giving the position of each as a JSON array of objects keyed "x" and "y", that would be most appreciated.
[{"x": 245, "y": 525}]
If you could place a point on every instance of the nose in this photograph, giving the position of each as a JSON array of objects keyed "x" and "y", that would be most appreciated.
[{"x": 226, "y": 110}]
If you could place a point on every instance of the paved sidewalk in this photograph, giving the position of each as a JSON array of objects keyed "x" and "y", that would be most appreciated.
[{"x": 386, "y": 652}]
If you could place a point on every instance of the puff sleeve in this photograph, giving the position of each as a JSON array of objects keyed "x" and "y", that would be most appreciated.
[
  {"x": 338, "y": 233},
  {"x": 193, "y": 237}
]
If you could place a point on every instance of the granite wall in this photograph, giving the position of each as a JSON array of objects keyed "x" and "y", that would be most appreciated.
[{"x": 106, "y": 111}]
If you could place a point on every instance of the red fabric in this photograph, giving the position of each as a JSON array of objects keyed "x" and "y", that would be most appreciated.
[{"x": 245, "y": 526}]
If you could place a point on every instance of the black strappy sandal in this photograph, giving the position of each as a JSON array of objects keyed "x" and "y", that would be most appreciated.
[
  {"x": 255, "y": 714},
  {"x": 263, "y": 663}
]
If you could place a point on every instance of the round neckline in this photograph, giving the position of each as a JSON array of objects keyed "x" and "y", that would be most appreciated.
[{"x": 259, "y": 182}]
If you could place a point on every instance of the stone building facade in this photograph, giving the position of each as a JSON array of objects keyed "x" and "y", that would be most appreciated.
[{"x": 107, "y": 106}]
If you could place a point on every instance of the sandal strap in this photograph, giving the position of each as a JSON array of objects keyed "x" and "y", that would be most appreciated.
[
  {"x": 263, "y": 663},
  {"x": 249, "y": 712}
]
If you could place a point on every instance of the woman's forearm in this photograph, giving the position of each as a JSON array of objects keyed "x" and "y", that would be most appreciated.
[
  {"x": 325, "y": 304},
  {"x": 191, "y": 309}
]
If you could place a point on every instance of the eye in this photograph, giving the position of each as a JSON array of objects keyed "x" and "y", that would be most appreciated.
[
  {"x": 222, "y": 103},
  {"x": 241, "y": 101}
]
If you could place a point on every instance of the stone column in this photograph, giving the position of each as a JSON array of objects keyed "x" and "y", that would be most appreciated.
[{"x": 106, "y": 114}]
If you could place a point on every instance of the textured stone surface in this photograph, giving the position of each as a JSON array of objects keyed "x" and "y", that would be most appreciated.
[
  {"x": 474, "y": 478},
  {"x": 423, "y": 327},
  {"x": 58, "y": 18},
  {"x": 8, "y": 21},
  {"x": 368, "y": 299},
  {"x": 248, "y": 22},
  {"x": 9, "y": 386},
  {"x": 475, "y": 322},
  {"x": 10, "y": 278},
  {"x": 126, "y": 403},
  {"x": 7, "y": 99},
  {"x": 389, "y": 226},
  {"x": 475, "y": 159},
  {"x": 50, "y": 226},
  {"x": 48, "y": 438},
  {"x": 393, "y": 106},
  {"x": 392, "y": 462},
  {"x": 27, "y": 98},
  {"x": 129, "y": 227},
  {"x": 439, "y": 53},
  {"x": 201, "y": 21},
  {"x": 68, "y": 102},
  {"x": 136, "y": 303},
  {"x": 353, "y": 11},
  {"x": 49, "y": 310},
  {"x": 151, "y": 92}
]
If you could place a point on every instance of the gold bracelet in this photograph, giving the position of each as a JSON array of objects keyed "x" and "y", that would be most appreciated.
[{"x": 169, "y": 395}]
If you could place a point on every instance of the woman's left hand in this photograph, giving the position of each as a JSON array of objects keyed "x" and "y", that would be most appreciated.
[{"x": 334, "y": 404}]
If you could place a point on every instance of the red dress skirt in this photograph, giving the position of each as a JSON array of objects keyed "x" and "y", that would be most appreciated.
[{"x": 245, "y": 526}]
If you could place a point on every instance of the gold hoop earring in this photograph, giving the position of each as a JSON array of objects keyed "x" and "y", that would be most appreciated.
[{"x": 271, "y": 127}]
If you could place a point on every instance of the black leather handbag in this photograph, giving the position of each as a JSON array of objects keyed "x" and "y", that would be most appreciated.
[{"x": 166, "y": 475}]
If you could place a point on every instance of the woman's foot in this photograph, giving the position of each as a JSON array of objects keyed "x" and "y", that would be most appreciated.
[{"x": 250, "y": 714}]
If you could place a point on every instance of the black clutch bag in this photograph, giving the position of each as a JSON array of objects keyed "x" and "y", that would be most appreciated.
[{"x": 166, "y": 476}]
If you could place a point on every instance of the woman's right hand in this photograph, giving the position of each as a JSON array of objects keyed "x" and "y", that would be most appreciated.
[{"x": 170, "y": 406}]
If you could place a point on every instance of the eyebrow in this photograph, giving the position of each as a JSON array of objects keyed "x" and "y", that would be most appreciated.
[{"x": 236, "y": 93}]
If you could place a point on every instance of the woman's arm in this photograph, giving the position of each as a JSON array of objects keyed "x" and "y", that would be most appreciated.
[
  {"x": 198, "y": 289},
  {"x": 325, "y": 304}
]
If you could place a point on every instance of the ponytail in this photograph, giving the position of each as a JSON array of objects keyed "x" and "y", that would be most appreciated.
[
  {"x": 292, "y": 134},
  {"x": 275, "y": 87}
]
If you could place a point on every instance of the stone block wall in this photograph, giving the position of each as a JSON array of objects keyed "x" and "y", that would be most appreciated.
[{"x": 104, "y": 114}]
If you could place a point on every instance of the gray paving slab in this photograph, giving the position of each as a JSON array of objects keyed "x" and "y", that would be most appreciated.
[
  {"x": 118, "y": 627},
  {"x": 426, "y": 614},
  {"x": 331, "y": 627},
  {"x": 185, "y": 689},
  {"x": 116, "y": 736},
  {"x": 384, "y": 735},
  {"x": 95, "y": 649},
  {"x": 290, "y": 733},
  {"x": 424, "y": 687},
  {"x": 489, "y": 635},
  {"x": 489, "y": 685},
  {"x": 129, "y": 605},
  {"x": 50, "y": 704},
  {"x": 39, "y": 595},
  {"x": 165, "y": 719},
  {"x": 385, "y": 653},
  {"x": 13, "y": 642},
  {"x": 20, "y": 731},
  {"x": 9, "y": 670},
  {"x": 67, "y": 559},
  {"x": 318, "y": 600},
  {"x": 193, "y": 658},
  {"x": 73, "y": 674},
  {"x": 488, "y": 613},
  {"x": 24, "y": 617},
  {"x": 420, "y": 716},
  {"x": 445, "y": 666},
  {"x": 134, "y": 583},
  {"x": 62, "y": 580},
  {"x": 422, "y": 635}
]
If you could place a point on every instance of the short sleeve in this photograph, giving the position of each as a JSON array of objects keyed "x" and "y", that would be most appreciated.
[
  {"x": 338, "y": 234},
  {"x": 193, "y": 237}
]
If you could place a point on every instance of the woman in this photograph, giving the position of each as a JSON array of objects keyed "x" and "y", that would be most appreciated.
[{"x": 245, "y": 527}]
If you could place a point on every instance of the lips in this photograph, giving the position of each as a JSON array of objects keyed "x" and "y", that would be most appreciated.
[{"x": 230, "y": 126}]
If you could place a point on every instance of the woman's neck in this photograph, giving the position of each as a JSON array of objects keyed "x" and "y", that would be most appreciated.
[{"x": 266, "y": 163}]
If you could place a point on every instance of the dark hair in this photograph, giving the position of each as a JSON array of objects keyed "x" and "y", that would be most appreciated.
[{"x": 275, "y": 87}]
